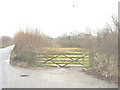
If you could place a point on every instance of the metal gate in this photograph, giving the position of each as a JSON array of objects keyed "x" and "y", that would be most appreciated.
[{"x": 63, "y": 59}]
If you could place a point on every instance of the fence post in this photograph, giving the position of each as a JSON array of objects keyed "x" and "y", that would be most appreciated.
[{"x": 91, "y": 58}]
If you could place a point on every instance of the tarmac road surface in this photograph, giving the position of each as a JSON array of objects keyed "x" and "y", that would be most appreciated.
[{"x": 44, "y": 77}]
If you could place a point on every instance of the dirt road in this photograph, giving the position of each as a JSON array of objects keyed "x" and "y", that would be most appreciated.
[{"x": 44, "y": 77}]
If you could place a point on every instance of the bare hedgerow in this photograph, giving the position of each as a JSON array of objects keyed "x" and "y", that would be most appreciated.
[
  {"x": 103, "y": 47},
  {"x": 28, "y": 43}
]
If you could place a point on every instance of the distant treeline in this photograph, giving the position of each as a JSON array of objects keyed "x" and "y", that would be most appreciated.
[{"x": 5, "y": 41}]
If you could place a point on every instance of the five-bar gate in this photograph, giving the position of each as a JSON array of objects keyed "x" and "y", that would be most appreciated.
[{"x": 63, "y": 59}]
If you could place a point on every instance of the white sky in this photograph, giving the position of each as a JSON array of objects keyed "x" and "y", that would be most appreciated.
[{"x": 55, "y": 17}]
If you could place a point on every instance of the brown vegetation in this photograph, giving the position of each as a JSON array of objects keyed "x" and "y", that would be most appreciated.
[
  {"x": 103, "y": 48},
  {"x": 27, "y": 44}
]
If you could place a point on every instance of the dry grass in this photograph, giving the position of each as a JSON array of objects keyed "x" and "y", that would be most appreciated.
[{"x": 27, "y": 44}]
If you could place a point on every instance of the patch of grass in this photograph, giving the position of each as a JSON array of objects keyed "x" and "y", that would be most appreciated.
[{"x": 26, "y": 57}]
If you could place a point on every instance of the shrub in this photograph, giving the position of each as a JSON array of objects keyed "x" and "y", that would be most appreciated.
[{"x": 27, "y": 44}]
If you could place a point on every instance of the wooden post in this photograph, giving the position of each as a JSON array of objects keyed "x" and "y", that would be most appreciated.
[{"x": 91, "y": 59}]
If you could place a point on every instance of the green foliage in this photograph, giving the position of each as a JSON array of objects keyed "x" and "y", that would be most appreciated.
[
  {"x": 27, "y": 56},
  {"x": 24, "y": 56}
]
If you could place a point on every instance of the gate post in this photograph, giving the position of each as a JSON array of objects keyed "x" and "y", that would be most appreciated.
[{"x": 91, "y": 58}]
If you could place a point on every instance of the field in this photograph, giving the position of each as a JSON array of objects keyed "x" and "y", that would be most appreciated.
[{"x": 64, "y": 57}]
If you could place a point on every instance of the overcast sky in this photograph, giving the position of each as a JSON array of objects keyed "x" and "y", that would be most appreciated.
[{"x": 55, "y": 17}]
